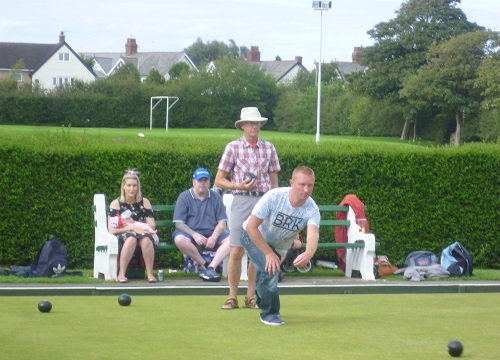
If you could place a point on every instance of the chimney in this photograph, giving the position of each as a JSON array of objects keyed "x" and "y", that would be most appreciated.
[
  {"x": 298, "y": 59},
  {"x": 357, "y": 55},
  {"x": 253, "y": 54},
  {"x": 130, "y": 47},
  {"x": 62, "y": 38}
]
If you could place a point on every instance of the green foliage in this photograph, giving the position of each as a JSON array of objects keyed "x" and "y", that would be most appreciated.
[
  {"x": 447, "y": 79},
  {"x": 8, "y": 86},
  {"x": 489, "y": 125},
  {"x": 202, "y": 53},
  {"x": 219, "y": 95},
  {"x": 127, "y": 73},
  {"x": 296, "y": 110},
  {"x": 155, "y": 78},
  {"x": 178, "y": 70},
  {"x": 417, "y": 198},
  {"x": 401, "y": 47},
  {"x": 401, "y": 43},
  {"x": 303, "y": 80},
  {"x": 489, "y": 79}
]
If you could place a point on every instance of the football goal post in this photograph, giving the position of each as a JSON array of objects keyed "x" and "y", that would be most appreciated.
[{"x": 155, "y": 101}]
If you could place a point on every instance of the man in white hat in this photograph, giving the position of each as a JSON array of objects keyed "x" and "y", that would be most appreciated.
[{"x": 253, "y": 166}]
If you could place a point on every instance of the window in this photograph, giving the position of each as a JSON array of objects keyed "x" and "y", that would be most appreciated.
[
  {"x": 60, "y": 81},
  {"x": 18, "y": 76},
  {"x": 63, "y": 56}
]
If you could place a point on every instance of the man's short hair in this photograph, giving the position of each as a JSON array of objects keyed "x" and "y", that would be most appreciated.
[{"x": 303, "y": 170}]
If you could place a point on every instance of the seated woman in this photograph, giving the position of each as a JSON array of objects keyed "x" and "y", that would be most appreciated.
[
  {"x": 125, "y": 219},
  {"x": 133, "y": 234}
]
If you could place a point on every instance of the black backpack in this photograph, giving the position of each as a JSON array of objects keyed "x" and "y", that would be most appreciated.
[{"x": 51, "y": 259}]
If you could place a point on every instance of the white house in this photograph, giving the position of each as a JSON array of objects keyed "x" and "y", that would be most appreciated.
[{"x": 44, "y": 65}]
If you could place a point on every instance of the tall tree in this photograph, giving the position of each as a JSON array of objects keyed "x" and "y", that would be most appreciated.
[
  {"x": 401, "y": 45},
  {"x": 202, "y": 53},
  {"x": 447, "y": 80},
  {"x": 220, "y": 94},
  {"x": 488, "y": 81}
]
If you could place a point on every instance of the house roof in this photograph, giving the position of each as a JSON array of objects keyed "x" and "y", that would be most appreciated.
[
  {"x": 34, "y": 55},
  {"x": 346, "y": 68},
  {"x": 161, "y": 61},
  {"x": 144, "y": 62},
  {"x": 279, "y": 68}
]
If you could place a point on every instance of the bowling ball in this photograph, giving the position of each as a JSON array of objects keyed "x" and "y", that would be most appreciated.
[
  {"x": 455, "y": 348},
  {"x": 44, "y": 306},
  {"x": 249, "y": 176},
  {"x": 124, "y": 299}
]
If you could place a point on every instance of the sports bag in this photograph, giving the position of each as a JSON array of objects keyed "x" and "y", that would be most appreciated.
[
  {"x": 421, "y": 258},
  {"x": 457, "y": 260},
  {"x": 51, "y": 259},
  {"x": 382, "y": 266}
]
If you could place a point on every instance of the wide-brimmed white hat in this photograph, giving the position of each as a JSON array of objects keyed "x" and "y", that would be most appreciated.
[{"x": 250, "y": 114}]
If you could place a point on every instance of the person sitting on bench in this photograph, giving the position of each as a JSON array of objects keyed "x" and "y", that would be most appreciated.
[{"x": 200, "y": 220}]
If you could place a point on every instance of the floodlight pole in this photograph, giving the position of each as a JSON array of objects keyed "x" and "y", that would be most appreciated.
[{"x": 321, "y": 6}]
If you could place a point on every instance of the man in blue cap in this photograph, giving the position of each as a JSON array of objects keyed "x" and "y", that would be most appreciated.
[{"x": 200, "y": 220}]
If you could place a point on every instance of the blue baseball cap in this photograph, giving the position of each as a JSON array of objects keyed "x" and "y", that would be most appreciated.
[{"x": 201, "y": 173}]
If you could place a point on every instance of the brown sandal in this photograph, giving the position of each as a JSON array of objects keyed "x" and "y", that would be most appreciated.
[
  {"x": 250, "y": 303},
  {"x": 231, "y": 303}
]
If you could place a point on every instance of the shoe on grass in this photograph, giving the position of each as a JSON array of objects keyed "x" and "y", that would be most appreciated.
[
  {"x": 231, "y": 303},
  {"x": 209, "y": 274},
  {"x": 250, "y": 303},
  {"x": 273, "y": 320}
]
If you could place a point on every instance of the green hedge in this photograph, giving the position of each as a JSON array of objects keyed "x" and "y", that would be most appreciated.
[{"x": 417, "y": 198}]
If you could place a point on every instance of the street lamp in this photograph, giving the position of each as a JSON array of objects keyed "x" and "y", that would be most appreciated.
[{"x": 321, "y": 6}]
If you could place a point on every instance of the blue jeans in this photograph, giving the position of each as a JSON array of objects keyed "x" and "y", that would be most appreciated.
[{"x": 268, "y": 297}]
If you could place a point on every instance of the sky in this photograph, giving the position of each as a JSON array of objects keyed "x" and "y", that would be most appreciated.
[{"x": 285, "y": 28}]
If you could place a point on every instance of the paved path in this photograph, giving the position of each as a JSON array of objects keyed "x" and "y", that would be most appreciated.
[{"x": 290, "y": 285}]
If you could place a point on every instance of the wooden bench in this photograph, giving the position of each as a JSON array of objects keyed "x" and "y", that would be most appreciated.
[{"x": 359, "y": 255}]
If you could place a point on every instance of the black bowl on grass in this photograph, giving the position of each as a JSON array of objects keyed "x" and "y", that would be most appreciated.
[
  {"x": 124, "y": 299},
  {"x": 44, "y": 306},
  {"x": 455, "y": 348}
]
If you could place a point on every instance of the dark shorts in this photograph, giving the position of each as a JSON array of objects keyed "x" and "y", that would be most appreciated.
[{"x": 224, "y": 235}]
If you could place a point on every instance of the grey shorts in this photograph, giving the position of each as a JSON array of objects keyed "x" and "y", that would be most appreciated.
[{"x": 241, "y": 208}]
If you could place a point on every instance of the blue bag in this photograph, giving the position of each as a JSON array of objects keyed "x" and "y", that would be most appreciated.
[
  {"x": 421, "y": 258},
  {"x": 457, "y": 260}
]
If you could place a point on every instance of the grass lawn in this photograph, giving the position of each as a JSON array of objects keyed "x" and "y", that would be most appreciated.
[
  {"x": 16, "y": 133},
  {"x": 318, "y": 327}
]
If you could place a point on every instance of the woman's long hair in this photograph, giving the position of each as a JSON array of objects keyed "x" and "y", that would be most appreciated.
[{"x": 131, "y": 174}]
